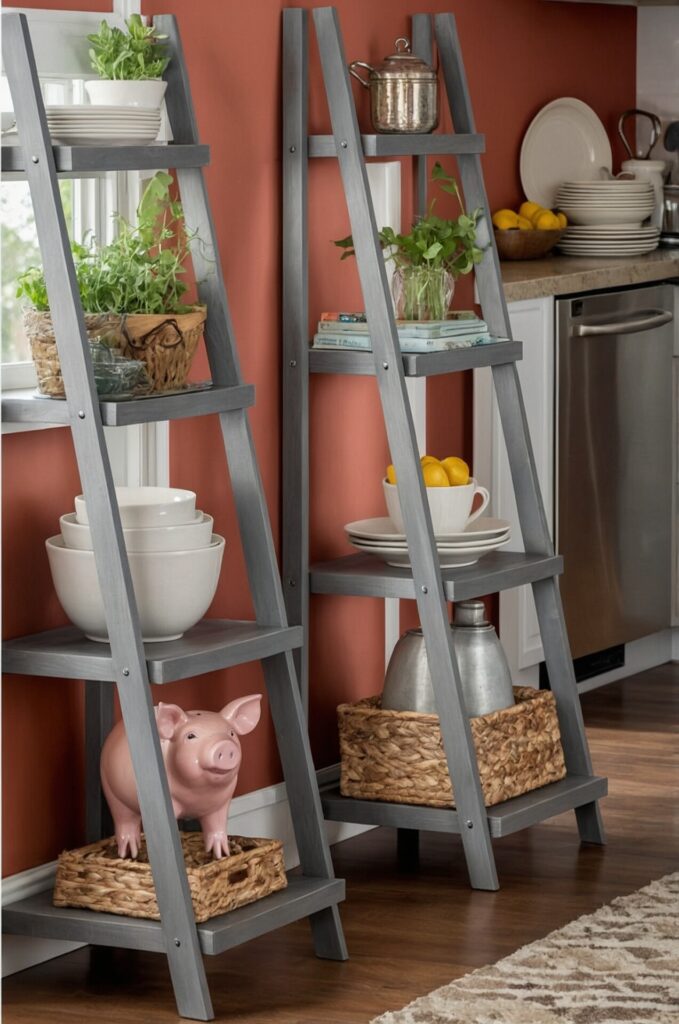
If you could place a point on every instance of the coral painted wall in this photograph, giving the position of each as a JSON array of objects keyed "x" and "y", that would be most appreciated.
[{"x": 518, "y": 56}]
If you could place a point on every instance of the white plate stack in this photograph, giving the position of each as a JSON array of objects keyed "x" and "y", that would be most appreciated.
[
  {"x": 606, "y": 218},
  {"x": 89, "y": 125},
  {"x": 379, "y": 537}
]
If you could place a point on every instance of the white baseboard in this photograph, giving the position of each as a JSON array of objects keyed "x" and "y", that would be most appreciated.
[{"x": 265, "y": 813}]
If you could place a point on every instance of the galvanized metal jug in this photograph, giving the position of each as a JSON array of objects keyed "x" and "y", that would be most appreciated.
[
  {"x": 484, "y": 671},
  {"x": 403, "y": 91}
]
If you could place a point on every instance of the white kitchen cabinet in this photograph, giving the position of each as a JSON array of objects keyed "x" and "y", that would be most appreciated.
[{"x": 532, "y": 321}]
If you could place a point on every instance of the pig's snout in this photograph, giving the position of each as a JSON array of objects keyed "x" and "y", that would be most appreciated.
[{"x": 223, "y": 756}]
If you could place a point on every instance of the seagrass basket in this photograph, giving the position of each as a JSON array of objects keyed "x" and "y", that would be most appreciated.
[
  {"x": 164, "y": 343},
  {"x": 398, "y": 756},
  {"x": 96, "y": 878}
]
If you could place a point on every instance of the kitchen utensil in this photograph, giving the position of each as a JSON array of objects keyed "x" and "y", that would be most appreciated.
[
  {"x": 450, "y": 507},
  {"x": 525, "y": 245},
  {"x": 654, "y": 172},
  {"x": 184, "y": 537},
  {"x": 564, "y": 141},
  {"x": 484, "y": 671},
  {"x": 670, "y": 224},
  {"x": 382, "y": 529},
  {"x": 148, "y": 506},
  {"x": 656, "y": 128},
  {"x": 403, "y": 91}
]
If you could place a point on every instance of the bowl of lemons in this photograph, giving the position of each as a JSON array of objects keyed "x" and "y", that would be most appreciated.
[{"x": 528, "y": 234}]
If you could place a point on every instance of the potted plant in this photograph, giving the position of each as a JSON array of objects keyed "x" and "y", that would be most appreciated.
[
  {"x": 131, "y": 291},
  {"x": 430, "y": 257},
  {"x": 130, "y": 65}
]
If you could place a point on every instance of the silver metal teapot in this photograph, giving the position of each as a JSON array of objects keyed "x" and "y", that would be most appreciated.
[
  {"x": 403, "y": 91},
  {"x": 484, "y": 671}
]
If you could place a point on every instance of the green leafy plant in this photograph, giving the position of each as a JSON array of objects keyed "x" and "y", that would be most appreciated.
[
  {"x": 433, "y": 242},
  {"x": 140, "y": 271},
  {"x": 132, "y": 55}
]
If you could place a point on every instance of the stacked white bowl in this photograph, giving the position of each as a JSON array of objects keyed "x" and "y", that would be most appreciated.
[
  {"x": 606, "y": 218},
  {"x": 174, "y": 557}
]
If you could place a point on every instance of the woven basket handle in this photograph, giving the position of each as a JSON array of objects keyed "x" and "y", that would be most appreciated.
[{"x": 144, "y": 340}]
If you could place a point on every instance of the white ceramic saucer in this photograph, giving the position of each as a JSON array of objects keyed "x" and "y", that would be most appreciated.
[{"x": 382, "y": 530}]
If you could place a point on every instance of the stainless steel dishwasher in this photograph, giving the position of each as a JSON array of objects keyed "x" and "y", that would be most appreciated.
[{"x": 614, "y": 464}]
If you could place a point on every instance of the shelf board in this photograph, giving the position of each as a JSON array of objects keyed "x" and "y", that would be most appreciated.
[
  {"x": 211, "y": 645},
  {"x": 329, "y": 360},
  {"x": 503, "y": 819},
  {"x": 37, "y": 916},
  {"x": 364, "y": 575},
  {"x": 403, "y": 145},
  {"x": 25, "y": 406},
  {"x": 85, "y": 160}
]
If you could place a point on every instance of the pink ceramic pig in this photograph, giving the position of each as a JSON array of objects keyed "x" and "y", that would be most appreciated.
[{"x": 202, "y": 755}]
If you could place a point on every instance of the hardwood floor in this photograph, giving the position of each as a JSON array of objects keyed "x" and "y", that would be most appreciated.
[{"x": 411, "y": 932}]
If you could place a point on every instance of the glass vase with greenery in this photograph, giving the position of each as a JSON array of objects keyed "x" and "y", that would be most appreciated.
[{"x": 430, "y": 257}]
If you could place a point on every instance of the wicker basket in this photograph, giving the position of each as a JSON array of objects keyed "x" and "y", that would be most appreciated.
[
  {"x": 165, "y": 344},
  {"x": 96, "y": 878},
  {"x": 398, "y": 756}
]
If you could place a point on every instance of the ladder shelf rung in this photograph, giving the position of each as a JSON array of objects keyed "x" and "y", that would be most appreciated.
[
  {"x": 364, "y": 575},
  {"x": 503, "y": 819},
  {"x": 403, "y": 145},
  {"x": 99, "y": 159},
  {"x": 26, "y": 406},
  {"x": 211, "y": 645},
  {"x": 37, "y": 916},
  {"x": 428, "y": 364}
]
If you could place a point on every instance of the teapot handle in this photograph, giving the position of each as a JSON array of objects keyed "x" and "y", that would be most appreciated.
[{"x": 360, "y": 64}]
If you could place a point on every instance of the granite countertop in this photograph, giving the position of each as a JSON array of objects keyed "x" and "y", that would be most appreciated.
[{"x": 561, "y": 275}]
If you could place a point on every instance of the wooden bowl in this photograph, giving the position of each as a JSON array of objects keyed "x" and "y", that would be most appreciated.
[{"x": 514, "y": 244}]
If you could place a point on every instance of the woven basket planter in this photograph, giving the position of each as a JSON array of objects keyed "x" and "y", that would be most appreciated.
[
  {"x": 164, "y": 343},
  {"x": 398, "y": 756},
  {"x": 96, "y": 878}
]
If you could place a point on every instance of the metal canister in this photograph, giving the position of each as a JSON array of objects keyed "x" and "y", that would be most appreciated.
[{"x": 403, "y": 91}]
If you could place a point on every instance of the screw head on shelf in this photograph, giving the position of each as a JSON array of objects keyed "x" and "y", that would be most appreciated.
[
  {"x": 385, "y": 366},
  {"x": 35, "y": 159},
  {"x": 469, "y": 823},
  {"x": 425, "y": 590},
  {"x": 344, "y": 143},
  {"x": 177, "y": 942},
  {"x": 293, "y": 363},
  {"x": 293, "y": 149},
  {"x": 292, "y": 582},
  {"x": 126, "y": 671},
  {"x": 81, "y": 414}
]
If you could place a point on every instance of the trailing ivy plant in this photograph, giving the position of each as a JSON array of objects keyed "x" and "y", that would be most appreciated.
[
  {"x": 132, "y": 55},
  {"x": 140, "y": 271},
  {"x": 433, "y": 242}
]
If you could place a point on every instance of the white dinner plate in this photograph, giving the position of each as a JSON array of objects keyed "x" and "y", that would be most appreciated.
[
  {"x": 68, "y": 139},
  {"x": 447, "y": 559},
  {"x": 382, "y": 529},
  {"x": 565, "y": 141},
  {"x": 632, "y": 219},
  {"x": 74, "y": 109},
  {"x": 612, "y": 251},
  {"x": 375, "y": 545},
  {"x": 604, "y": 230},
  {"x": 604, "y": 186}
]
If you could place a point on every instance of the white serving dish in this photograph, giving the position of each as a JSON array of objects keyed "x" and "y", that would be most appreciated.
[
  {"x": 120, "y": 93},
  {"x": 184, "y": 537},
  {"x": 450, "y": 507},
  {"x": 148, "y": 506},
  {"x": 173, "y": 589}
]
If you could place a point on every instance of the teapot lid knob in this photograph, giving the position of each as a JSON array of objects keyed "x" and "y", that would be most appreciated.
[{"x": 470, "y": 613}]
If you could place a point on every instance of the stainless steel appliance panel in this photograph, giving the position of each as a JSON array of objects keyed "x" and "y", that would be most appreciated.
[{"x": 614, "y": 471}]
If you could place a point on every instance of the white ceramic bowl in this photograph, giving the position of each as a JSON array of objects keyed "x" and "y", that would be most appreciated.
[
  {"x": 184, "y": 537},
  {"x": 174, "y": 589},
  {"x": 148, "y": 506},
  {"x": 148, "y": 92},
  {"x": 450, "y": 507}
]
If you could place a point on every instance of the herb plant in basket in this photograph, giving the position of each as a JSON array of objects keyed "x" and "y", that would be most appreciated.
[
  {"x": 130, "y": 65},
  {"x": 131, "y": 291},
  {"x": 430, "y": 257}
]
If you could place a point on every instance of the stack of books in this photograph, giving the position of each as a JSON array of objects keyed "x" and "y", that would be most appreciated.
[{"x": 350, "y": 330}]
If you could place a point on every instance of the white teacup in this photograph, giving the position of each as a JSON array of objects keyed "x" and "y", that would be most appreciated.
[{"x": 450, "y": 507}]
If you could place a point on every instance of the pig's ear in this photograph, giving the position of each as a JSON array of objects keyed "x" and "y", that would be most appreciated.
[
  {"x": 243, "y": 714},
  {"x": 168, "y": 718}
]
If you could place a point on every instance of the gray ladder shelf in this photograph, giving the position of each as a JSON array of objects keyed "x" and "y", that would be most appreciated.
[
  {"x": 362, "y": 575},
  {"x": 127, "y": 664}
]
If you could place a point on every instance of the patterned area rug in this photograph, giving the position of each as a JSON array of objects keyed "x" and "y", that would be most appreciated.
[{"x": 620, "y": 964}]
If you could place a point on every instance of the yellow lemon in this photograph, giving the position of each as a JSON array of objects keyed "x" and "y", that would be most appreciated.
[
  {"x": 562, "y": 219},
  {"x": 528, "y": 208},
  {"x": 424, "y": 459},
  {"x": 434, "y": 475},
  {"x": 457, "y": 471},
  {"x": 505, "y": 220},
  {"x": 391, "y": 474},
  {"x": 524, "y": 224},
  {"x": 547, "y": 221}
]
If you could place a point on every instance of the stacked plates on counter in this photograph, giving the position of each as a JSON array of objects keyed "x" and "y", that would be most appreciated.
[
  {"x": 608, "y": 240},
  {"x": 589, "y": 203},
  {"x": 379, "y": 537},
  {"x": 90, "y": 125}
]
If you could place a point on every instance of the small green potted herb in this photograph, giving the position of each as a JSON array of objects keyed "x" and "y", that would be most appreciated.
[
  {"x": 430, "y": 258},
  {"x": 130, "y": 65},
  {"x": 131, "y": 291}
]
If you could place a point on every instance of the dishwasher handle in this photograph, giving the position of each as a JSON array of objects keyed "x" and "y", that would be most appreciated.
[{"x": 649, "y": 319}]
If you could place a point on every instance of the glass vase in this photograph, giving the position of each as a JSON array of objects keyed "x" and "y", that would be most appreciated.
[{"x": 422, "y": 293}]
